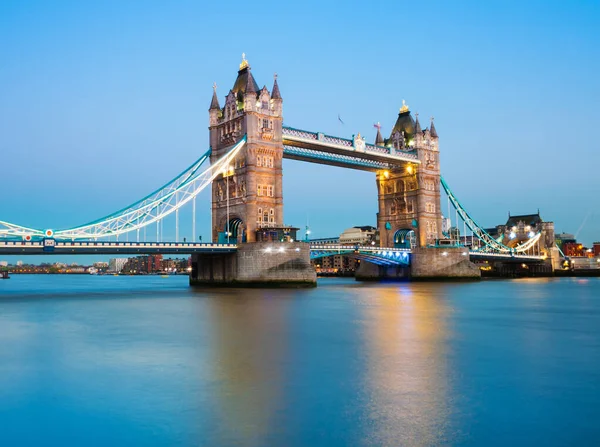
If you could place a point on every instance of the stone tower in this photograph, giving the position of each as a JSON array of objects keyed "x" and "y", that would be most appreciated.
[
  {"x": 254, "y": 179},
  {"x": 409, "y": 196}
]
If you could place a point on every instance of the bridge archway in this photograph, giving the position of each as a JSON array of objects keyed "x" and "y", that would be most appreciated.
[
  {"x": 405, "y": 238},
  {"x": 236, "y": 228}
]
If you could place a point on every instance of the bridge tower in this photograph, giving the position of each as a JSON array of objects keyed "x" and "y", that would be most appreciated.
[
  {"x": 409, "y": 197},
  {"x": 254, "y": 179}
]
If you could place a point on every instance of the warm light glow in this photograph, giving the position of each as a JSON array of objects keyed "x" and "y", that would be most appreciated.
[
  {"x": 386, "y": 174},
  {"x": 268, "y": 249},
  {"x": 410, "y": 169}
]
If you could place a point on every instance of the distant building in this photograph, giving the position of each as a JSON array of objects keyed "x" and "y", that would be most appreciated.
[
  {"x": 116, "y": 264},
  {"x": 19, "y": 263},
  {"x": 101, "y": 265},
  {"x": 358, "y": 235},
  {"x": 562, "y": 238},
  {"x": 335, "y": 265},
  {"x": 573, "y": 249},
  {"x": 3, "y": 263},
  {"x": 596, "y": 249}
]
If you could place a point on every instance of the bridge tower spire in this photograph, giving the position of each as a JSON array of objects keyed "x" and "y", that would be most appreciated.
[{"x": 247, "y": 198}]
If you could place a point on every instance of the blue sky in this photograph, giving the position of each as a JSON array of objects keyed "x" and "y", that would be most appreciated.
[{"x": 104, "y": 101}]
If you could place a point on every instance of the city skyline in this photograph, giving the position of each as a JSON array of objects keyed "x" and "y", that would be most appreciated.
[{"x": 98, "y": 129}]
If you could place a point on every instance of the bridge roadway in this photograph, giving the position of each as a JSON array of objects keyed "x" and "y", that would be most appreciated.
[{"x": 378, "y": 255}]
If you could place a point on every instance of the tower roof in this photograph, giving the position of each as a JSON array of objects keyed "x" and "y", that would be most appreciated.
[
  {"x": 275, "y": 92},
  {"x": 418, "y": 125},
  {"x": 244, "y": 81},
  {"x": 214, "y": 104},
  {"x": 405, "y": 123}
]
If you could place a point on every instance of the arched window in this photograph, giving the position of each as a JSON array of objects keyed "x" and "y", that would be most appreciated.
[
  {"x": 259, "y": 215},
  {"x": 258, "y": 160},
  {"x": 271, "y": 215},
  {"x": 400, "y": 186}
]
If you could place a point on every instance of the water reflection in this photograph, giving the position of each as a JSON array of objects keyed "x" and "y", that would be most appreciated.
[
  {"x": 406, "y": 333},
  {"x": 248, "y": 341}
]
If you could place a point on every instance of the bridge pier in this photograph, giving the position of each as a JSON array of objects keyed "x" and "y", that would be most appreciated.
[
  {"x": 425, "y": 264},
  {"x": 257, "y": 264},
  {"x": 442, "y": 263}
]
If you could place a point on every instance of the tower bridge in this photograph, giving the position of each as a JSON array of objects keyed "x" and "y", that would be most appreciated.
[{"x": 250, "y": 243}]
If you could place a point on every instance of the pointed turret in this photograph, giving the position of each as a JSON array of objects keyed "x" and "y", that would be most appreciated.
[
  {"x": 379, "y": 139},
  {"x": 432, "y": 130},
  {"x": 275, "y": 92},
  {"x": 418, "y": 130},
  {"x": 214, "y": 104}
]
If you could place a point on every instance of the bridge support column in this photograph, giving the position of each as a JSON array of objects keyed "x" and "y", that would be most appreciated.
[
  {"x": 258, "y": 264},
  {"x": 442, "y": 263}
]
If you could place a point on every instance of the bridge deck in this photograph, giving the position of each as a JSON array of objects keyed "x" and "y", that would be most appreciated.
[
  {"x": 374, "y": 254},
  {"x": 111, "y": 248}
]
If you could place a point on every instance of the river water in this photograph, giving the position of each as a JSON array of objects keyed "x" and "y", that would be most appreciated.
[{"x": 122, "y": 361}]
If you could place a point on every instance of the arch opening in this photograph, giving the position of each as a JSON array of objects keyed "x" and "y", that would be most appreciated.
[{"x": 405, "y": 238}]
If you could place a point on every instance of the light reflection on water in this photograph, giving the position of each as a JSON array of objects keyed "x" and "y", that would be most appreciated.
[{"x": 149, "y": 361}]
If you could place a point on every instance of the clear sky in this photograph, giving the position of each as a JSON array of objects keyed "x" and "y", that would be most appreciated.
[{"x": 103, "y": 101}]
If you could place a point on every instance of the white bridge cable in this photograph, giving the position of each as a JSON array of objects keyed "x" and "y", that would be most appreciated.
[
  {"x": 8, "y": 229},
  {"x": 480, "y": 233},
  {"x": 158, "y": 205}
]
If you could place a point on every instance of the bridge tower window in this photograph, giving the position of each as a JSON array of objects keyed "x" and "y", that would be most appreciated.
[
  {"x": 260, "y": 213},
  {"x": 258, "y": 160}
]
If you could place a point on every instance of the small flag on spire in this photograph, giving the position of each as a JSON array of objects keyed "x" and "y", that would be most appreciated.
[{"x": 340, "y": 119}]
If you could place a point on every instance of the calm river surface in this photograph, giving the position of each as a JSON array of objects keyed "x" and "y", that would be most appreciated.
[{"x": 123, "y": 361}]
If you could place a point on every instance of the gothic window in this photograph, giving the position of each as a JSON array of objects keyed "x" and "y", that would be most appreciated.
[
  {"x": 410, "y": 206},
  {"x": 271, "y": 215},
  {"x": 258, "y": 190},
  {"x": 270, "y": 190},
  {"x": 265, "y": 104},
  {"x": 258, "y": 160},
  {"x": 265, "y": 216},
  {"x": 265, "y": 124},
  {"x": 388, "y": 189},
  {"x": 260, "y": 215},
  {"x": 400, "y": 186}
]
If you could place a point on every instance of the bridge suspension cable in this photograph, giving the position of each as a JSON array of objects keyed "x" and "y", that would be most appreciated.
[
  {"x": 489, "y": 242},
  {"x": 151, "y": 209},
  {"x": 159, "y": 204}
]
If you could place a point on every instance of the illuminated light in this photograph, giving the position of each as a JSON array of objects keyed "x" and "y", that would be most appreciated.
[
  {"x": 531, "y": 234},
  {"x": 404, "y": 255},
  {"x": 465, "y": 253},
  {"x": 386, "y": 174},
  {"x": 512, "y": 235},
  {"x": 281, "y": 249},
  {"x": 514, "y": 228},
  {"x": 444, "y": 253},
  {"x": 297, "y": 249},
  {"x": 49, "y": 233},
  {"x": 385, "y": 253},
  {"x": 307, "y": 231},
  {"x": 268, "y": 249},
  {"x": 410, "y": 169},
  {"x": 291, "y": 240}
]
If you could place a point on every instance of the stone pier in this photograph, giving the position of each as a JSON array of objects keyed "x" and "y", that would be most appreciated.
[
  {"x": 425, "y": 264},
  {"x": 257, "y": 264}
]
